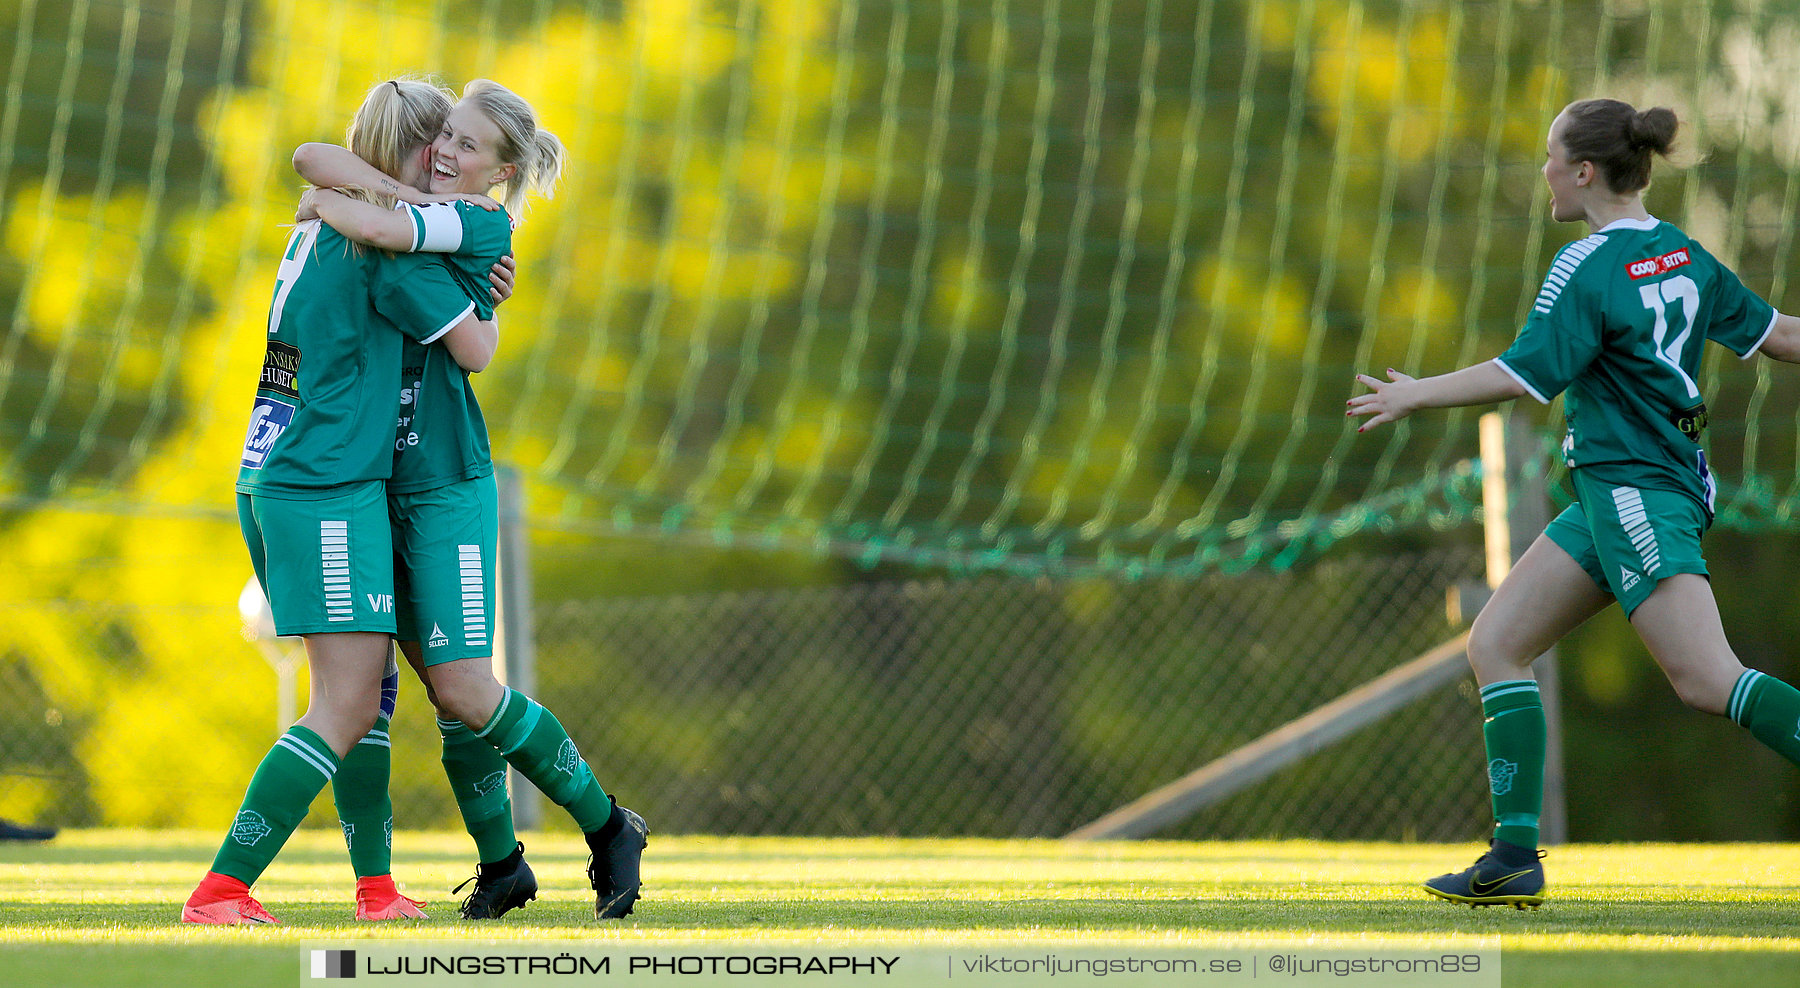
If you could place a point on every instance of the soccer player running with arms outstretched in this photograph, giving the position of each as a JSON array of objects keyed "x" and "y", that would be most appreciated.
[{"x": 1620, "y": 325}]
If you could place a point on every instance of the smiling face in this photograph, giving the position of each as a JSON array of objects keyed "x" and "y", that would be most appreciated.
[
  {"x": 1567, "y": 179},
  {"x": 466, "y": 157}
]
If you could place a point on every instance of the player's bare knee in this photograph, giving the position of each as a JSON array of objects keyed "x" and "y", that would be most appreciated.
[
  {"x": 461, "y": 699},
  {"x": 362, "y": 718},
  {"x": 1700, "y": 692},
  {"x": 450, "y": 702},
  {"x": 466, "y": 690},
  {"x": 1492, "y": 653},
  {"x": 342, "y": 726}
]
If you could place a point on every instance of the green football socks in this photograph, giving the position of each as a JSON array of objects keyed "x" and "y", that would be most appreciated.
[
  {"x": 364, "y": 808},
  {"x": 531, "y": 739},
  {"x": 293, "y": 772},
  {"x": 1514, "y": 731},
  {"x": 1770, "y": 709},
  {"x": 478, "y": 779}
]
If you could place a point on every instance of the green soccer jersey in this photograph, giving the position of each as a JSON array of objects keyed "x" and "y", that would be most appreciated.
[
  {"x": 442, "y": 435},
  {"x": 326, "y": 397},
  {"x": 1621, "y": 324}
]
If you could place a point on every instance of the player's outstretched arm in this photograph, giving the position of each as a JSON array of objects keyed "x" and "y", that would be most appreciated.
[
  {"x": 1783, "y": 341},
  {"x": 1400, "y": 395}
]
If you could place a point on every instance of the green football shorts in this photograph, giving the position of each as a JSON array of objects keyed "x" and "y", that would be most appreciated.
[
  {"x": 444, "y": 542},
  {"x": 1629, "y": 538},
  {"x": 327, "y": 564}
]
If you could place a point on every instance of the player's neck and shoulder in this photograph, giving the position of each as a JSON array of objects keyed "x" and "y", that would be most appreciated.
[{"x": 1630, "y": 240}]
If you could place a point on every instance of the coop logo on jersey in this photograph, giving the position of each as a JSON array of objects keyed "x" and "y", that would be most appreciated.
[
  {"x": 249, "y": 828},
  {"x": 268, "y": 420},
  {"x": 1650, "y": 267}
]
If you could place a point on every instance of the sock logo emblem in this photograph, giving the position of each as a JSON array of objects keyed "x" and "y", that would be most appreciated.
[
  {"x": 567, "y": 758},
  {"x": 349, "y": 833},
  {"x": 249, "y": 828},
  {"x": 388, "y": 830},
  {"x": 492, "y": 784},
  {"x": 1500, "y": 776}
]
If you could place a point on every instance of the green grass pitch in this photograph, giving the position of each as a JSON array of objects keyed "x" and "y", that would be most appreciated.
[{"x": 99, "y": 907}]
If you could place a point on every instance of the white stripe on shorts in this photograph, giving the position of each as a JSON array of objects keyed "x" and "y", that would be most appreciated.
[
  {"x": 1636, "y": 522},
  {"x": 334, "y": 570},
  {"x": 474, "y": 595}
]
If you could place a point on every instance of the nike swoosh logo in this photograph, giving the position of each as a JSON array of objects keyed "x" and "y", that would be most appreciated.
[{"x": 1479, "y": 887}]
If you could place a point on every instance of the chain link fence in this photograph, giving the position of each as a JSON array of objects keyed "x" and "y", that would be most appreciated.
[
  {"x": 1015, "y": 708},
  {"x": 989, "y": 706}
]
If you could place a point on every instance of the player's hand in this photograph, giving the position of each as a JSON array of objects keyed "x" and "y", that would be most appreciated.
[
  {"x": 308, "y": 209},
  {"x": 501, "y": 277},
  {"x": 471, "y": 198},
  {"x": 1387, "y": 401}
]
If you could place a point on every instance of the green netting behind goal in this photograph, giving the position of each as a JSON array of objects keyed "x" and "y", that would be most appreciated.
[{"x": 1014, "y": 284}]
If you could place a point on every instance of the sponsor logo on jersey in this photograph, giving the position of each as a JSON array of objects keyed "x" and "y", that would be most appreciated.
[
  {"x": 409, "y": 392},
  {"x": 1691, "y": 421},
  {"x": 1500, "y": 776},
  {"x": 1627, "y": 579},
  {"x": 1650, "y": 267},
  {"x": 438, "y": 638},
  {"x": 268, "y": 420},
  {"x": 249, "y": 828},
  {"x": 281, "y": 369}
]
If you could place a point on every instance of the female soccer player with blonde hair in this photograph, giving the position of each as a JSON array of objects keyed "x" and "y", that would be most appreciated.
[
  {"x": 1620, "y": 325},
  {"x": 312, "y": 497},
  {"x": 442, "y": 501}
]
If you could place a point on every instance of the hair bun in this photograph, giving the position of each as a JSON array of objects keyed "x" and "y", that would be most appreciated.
[{"x": 1653, "y": 129}]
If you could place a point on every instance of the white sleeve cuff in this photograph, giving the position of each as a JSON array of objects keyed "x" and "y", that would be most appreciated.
[
  {"x": 1764, "y": 338},
  {"x": 1522, "y": 382},
  {"x": 447, "y": 327}
]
